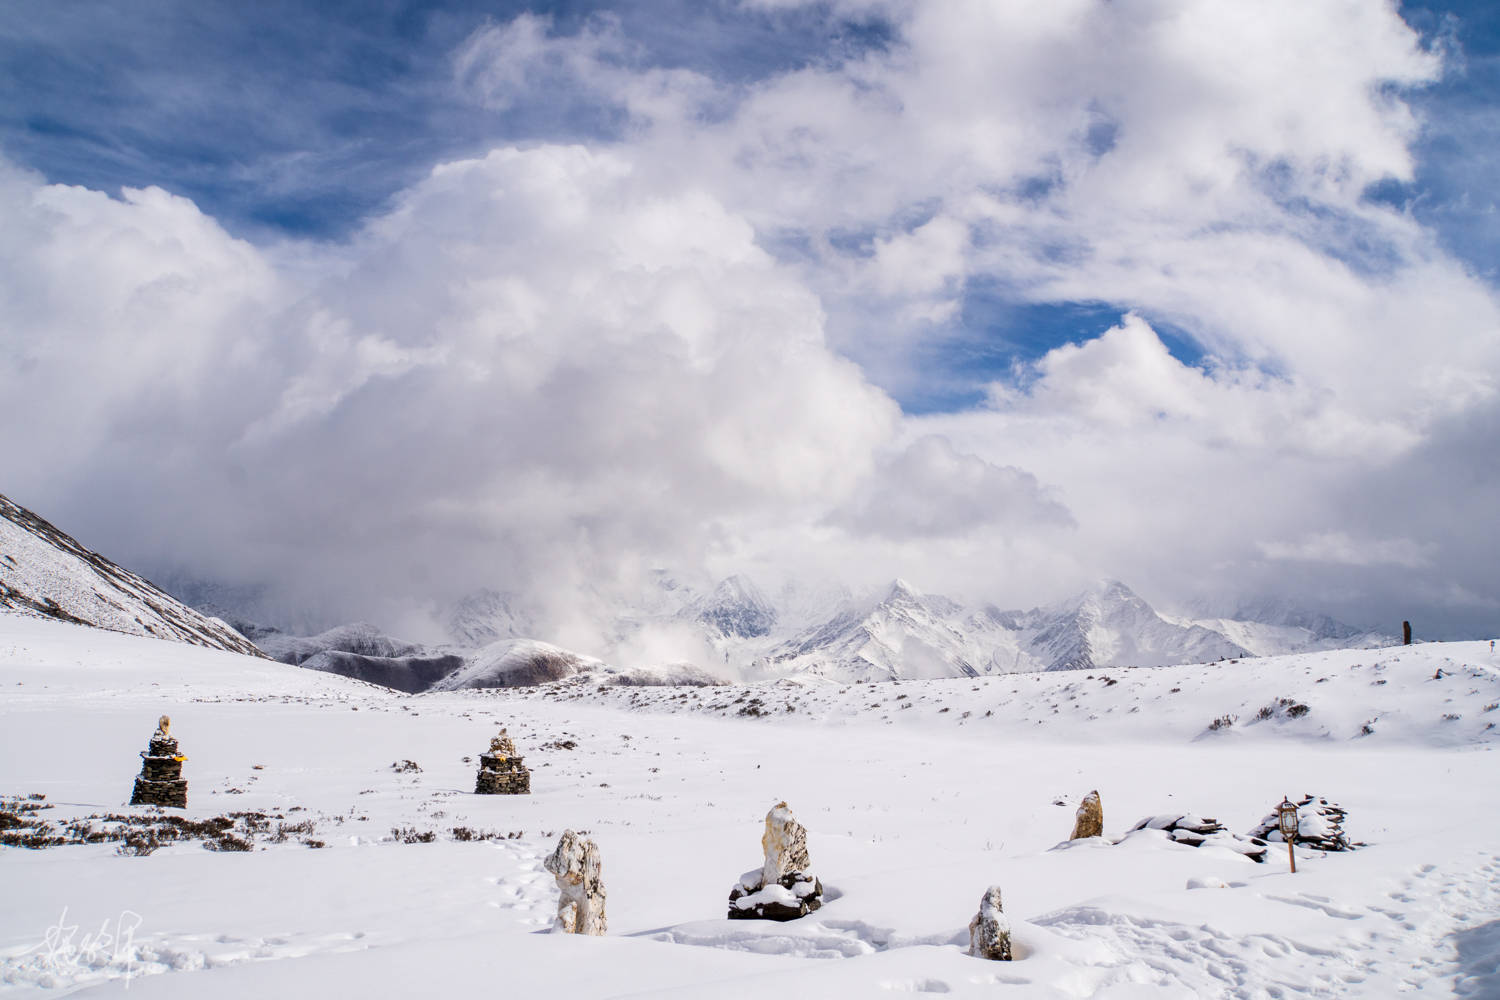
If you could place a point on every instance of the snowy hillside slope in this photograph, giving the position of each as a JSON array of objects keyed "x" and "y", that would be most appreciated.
[
  {"x": 359, "y": 638},
  {"x": 515, "y": 663},
  {"x": 425, "y": 889},
  {"x": 45, "y": 572}
]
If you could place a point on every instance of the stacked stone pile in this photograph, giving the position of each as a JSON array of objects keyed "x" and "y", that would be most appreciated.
[
  {"x": 1320, "y": 826},
  {"x": 1196, "y": 831},
  {"x": 783, "y": 888},
  {"x": 160, "y": 782},
  {"x": 501, "y": 771}
]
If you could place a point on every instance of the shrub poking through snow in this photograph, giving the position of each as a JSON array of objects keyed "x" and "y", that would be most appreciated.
[
  {"x": 1320, "y": 826},
  {"x": 989, "y": 931},
  {"x": 1222, "y": 722},
  {"x": 1284, "y": 708},
  {"x": 579, "y": 872},
  {"x": 783, "y": 888},
  {"x": 1090, "y": 818}
]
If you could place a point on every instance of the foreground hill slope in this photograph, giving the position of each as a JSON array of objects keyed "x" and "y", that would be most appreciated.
[{"x": 45, "y": 572}]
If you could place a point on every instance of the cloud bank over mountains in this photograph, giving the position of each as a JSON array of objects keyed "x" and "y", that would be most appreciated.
[{"x": 555, "y": 367}]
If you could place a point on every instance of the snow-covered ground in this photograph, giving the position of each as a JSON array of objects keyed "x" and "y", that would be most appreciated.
[{"x": 917, "y": 796}]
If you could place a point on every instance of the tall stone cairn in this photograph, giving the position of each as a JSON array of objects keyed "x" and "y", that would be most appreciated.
[
  {"x": 989, "y": 931},
  {"x": 576, "y": 866},
  {"x": 160, "y": 782},
  {"x": 783, "y": 888},
  {"x": 1090, "y": 820},
  {"x": 501, "y": 771}
]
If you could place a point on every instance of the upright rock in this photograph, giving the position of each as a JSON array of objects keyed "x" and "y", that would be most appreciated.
[
  {"x": 576, "y": 866},
  {"x": 501, "y": 771},
  {"x": 989, "y": 931},
  {"x": 160, "y": 782},
  {"x": 783, "y": 888},
  {"x": 1090, "y": 820}
]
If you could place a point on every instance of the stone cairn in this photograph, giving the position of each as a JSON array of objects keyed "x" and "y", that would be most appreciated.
[
  {"x": 161, "y": 782},
  {"x": 501, "y": 771},
  {"x": 989, "y": 931},
  {"x": 1320, "y": 826},
  {"x": 783, "y": 888},
  {"x": 1090, "y": 819},
  {"x": 580, "y": 885},
  {"x": 1195, "y": 831}
]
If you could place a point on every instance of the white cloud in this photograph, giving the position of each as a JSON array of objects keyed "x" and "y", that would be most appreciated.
[{"x": 557, "y": 364}]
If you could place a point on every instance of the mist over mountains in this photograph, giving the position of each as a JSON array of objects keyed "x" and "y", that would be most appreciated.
[
  {"x": 742, "y": 633},
  {"x": 673, "y": 634}
]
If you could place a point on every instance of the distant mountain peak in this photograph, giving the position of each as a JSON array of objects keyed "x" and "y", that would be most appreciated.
[{"x": 737, "y": 608}]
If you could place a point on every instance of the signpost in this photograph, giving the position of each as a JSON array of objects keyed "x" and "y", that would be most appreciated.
[{"x": 1287, "y": 820}]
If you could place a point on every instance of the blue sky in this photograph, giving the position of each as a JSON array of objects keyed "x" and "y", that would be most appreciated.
[{"x": 705, "y": 283}]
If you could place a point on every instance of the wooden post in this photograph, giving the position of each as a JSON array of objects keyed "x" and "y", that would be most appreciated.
[{"x": 1292, "y": 857}]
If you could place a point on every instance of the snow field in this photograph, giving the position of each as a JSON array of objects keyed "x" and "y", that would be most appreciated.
[{"x": 911, "y": 814}]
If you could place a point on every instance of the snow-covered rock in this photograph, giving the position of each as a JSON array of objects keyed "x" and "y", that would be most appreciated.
[
  {"x": 784, "y": 888},
  {"x": 1320, "y": 826},
  {"x": 579, "y": 872},
  {"x": 989, "y": 931},
  {"x": 1197, "y": 831}
]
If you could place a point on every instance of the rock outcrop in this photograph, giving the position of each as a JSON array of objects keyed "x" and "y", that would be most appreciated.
[
  {"x": 1196, "y": 831},
  {"x": 784, "y": 887},
  {"x": 1090, "y": 819},
  {"x": 160, "y": 782},
  {"x": 501, "y": 771},
  {"x": 1320, "y": 826},
  {"x": 576, "y": 866},
  {"x": 989, "y": 931}
]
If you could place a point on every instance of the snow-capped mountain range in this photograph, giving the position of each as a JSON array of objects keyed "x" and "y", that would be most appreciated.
[
  {"x": 892, "y": 634},
  {"x": 738, "y": 632}
]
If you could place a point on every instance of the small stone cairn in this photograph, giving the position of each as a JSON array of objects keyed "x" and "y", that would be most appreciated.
[
  {"x": 160, "y": 782},
  {"x": 783, "y": 888},
  {"x": 576, "y": 866},
  {"x": 1090, "y": 819},
  {"x": 989, "y": 931},
  {"x": 1320, "y": 826},
  {"x": 501, "y": 771},
  {"x": 1196, "y": 831}
]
